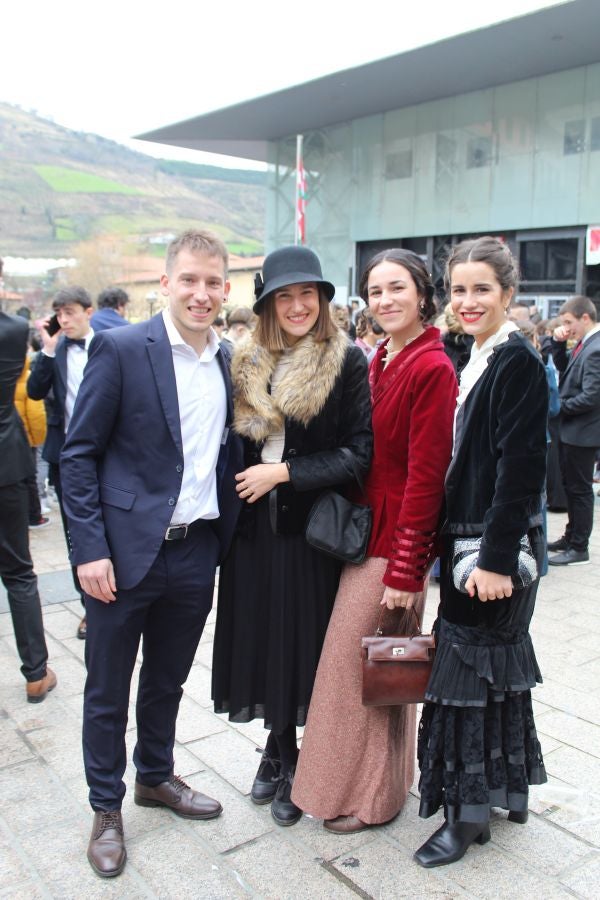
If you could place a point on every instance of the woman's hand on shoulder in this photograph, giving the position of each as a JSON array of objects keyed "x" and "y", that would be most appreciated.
[
  {"x": 488, "y": 585},
  {"x": 393, "y": 598},
  {"x": 255, "y": 482}
]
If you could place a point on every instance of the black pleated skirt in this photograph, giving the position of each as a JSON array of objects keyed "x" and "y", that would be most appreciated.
[
  {"x": 478, "y": 746},
  {"x": 275, "y": 598}
]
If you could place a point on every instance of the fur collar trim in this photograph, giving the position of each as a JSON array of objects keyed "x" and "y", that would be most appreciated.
[{"x": 301, "y": 393}]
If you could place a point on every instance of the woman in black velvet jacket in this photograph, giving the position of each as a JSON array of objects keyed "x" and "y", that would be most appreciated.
[
  {"x": 478, "y": 746},
  {"x": 302, "y": 406}
]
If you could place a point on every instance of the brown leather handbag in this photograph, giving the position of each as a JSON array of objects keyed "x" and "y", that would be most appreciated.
[{"x": 396, "y": 668}]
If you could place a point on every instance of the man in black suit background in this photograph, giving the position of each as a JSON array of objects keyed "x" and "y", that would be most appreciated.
[
  {"x": 148, "y": 484},
  {"x": 579, "y": 424},
  {"x": 58, "y": 372},
  {"x": 16, "y": 566}
]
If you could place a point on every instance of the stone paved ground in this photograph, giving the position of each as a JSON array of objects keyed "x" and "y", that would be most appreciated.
[{"x": 45, "y": 819}]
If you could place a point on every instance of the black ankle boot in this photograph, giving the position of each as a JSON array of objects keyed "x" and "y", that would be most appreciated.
[
  {"x": 264, "y": 786},
  {"x": 282, "y": 809},
  {"x": 450, "y": 843},
  {"x": 519, "y": 817}
]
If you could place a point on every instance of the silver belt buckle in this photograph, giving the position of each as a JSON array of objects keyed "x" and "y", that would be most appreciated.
[{"x": 172, "y": 532}]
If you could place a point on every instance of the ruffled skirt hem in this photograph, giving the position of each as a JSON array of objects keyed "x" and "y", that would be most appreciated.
[{"x": 473, "y": 674}]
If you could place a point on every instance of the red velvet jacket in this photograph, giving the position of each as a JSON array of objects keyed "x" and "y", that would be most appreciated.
[{"x": 413, "y": 411}]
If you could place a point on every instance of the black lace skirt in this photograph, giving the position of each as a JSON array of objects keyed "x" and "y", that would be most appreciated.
[
  {"x": 472, "y": 757},
  {"x": 478, "y": 746}
]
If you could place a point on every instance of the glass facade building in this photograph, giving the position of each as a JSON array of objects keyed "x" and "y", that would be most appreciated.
[{"x": 521, "y": 160}]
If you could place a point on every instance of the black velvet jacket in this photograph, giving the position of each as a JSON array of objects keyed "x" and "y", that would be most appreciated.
[
  {"x": 496, "y": 478},
  {"x": 313, "y": 450}
]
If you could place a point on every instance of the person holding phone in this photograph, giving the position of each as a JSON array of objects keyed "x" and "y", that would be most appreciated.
[{"x": 58, "y": 370}]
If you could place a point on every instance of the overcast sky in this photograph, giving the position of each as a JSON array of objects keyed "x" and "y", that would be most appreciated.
[{"x": 122, "y": 67}]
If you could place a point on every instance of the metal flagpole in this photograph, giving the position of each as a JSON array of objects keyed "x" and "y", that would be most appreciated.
[{"x": 299, "y": 225}]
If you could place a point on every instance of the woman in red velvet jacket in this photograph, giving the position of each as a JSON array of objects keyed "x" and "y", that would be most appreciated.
[{"x": 356, "y": 763}]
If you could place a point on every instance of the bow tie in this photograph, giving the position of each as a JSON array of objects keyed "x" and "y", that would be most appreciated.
[{"x": 74, "y": 342}]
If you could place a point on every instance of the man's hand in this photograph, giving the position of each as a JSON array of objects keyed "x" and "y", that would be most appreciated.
[
  {"x": 488, "y": 585},
  {"x": 97, "y": 579},
  {"x": 560, "y": 333}
]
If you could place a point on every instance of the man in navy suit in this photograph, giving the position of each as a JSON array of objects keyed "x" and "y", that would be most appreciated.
[
  {"x": 56, "y": 377},
  {"x": 579, "y": 424},
  {"x": 16, "y": 566},
  {"x": 111, "y": 305},
  {"x": 148, "y": 483}
]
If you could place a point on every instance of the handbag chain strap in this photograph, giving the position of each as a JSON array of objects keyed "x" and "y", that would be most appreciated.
[{"x": 406, "y": 613}]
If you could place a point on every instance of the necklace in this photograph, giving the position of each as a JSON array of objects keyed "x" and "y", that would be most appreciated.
[{"x": 390, "y": 354}]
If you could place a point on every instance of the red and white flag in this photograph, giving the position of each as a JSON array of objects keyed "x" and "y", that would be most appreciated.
[{"x": 592, "y": 246}]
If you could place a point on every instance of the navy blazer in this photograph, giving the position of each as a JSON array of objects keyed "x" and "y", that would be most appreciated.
[
  {"x": 49, "y": 375},
  {"x": 579, "y": 422},
  {"x": 16, "y": 462},
  {"x": 122, "y": 463}
]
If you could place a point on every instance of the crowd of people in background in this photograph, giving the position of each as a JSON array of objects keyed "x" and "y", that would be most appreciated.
[{"x": 201, "y": 438}]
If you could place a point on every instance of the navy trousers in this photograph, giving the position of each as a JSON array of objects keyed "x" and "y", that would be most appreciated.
[
  {"x": 167, "y": 610},
  {"x": 19, "y": 579}
]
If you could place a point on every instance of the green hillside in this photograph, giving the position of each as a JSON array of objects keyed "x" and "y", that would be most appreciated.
[
  {"x": 70, "y": 181},
  {"x": 59, "y": 188}
]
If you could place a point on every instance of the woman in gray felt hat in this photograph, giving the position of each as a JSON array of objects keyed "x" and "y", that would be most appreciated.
[{"x": 301, "y": 403}]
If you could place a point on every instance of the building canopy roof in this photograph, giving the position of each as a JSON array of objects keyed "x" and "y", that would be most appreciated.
[{"x": 549, "y": 40}]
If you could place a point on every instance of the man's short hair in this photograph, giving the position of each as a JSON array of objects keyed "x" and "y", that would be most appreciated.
[
  {"x": 197, "y": 242},
  {"x": 112, "y": 298},
  {"x": 69, "y": 295},
  {"x": 241, "y": 315},
  {"x": 577, "y": 306}
]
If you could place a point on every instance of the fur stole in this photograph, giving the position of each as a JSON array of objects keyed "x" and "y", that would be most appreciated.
[{"x": 301, "y": 393}]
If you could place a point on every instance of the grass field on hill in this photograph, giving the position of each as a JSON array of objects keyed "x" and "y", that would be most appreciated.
[{"x": 71, "y": 181}]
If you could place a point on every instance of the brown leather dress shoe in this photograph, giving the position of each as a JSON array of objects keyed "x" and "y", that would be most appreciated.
[
  {"x": 345, "y": 825},
  {"x": 106, "y": 850},
  {"x": 37, "y": 690},
  {"x": 82, "y": 629},
  {"x": 178, "y": 796}
]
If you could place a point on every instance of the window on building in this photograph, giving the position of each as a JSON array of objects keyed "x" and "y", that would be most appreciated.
[
  {"x": 548, "y": 266},
  {"x": 399, "y": 164},
  {"x": 595, "y": 134},
  {"x": 479, "y": 152},
  {"x": 574, "y": 137}
]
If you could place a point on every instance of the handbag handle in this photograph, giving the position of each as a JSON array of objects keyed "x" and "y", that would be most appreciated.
[{"x": 406, "y": 614}]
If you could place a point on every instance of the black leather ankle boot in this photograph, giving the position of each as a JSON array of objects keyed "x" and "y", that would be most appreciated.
[
  {"x": 282, "y": 809},
  {"x": 450, "y": 843},
  {"x": 519, "y": 817},
  {"x": 264, "y": 786}
]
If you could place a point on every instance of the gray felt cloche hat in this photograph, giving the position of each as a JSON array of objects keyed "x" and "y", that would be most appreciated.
[{"x": 289, "y": 265}]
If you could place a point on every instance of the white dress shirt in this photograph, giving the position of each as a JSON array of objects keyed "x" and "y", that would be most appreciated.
[
  {"x": 592, "y": 331},
  {"x": 202, "y": 412},
  {"x": 76, "y": 363},
  {"x": 477, "y": 365}
]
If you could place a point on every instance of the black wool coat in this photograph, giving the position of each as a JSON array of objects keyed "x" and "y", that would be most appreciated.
[
  {"x": 497, "y": 475},
  {"x": 312, "y": 446}
]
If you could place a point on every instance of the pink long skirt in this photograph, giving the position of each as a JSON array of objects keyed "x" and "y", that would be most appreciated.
[{"x": 354, "y": 760}]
